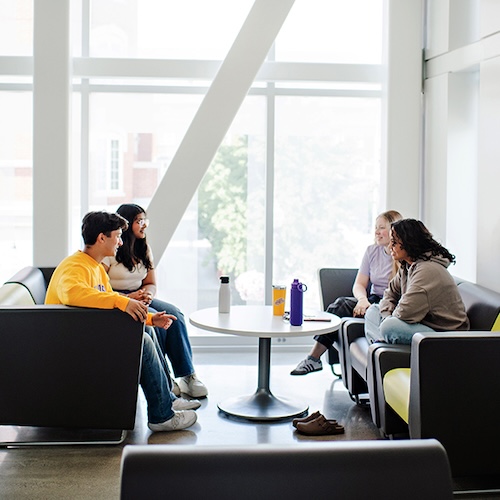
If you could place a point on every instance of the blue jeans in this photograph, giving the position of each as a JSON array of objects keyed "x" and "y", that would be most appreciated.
[
  {"x": 174, "y": 342},
  {"x": 155, "y": 382},
  {"x": 391, "y": 330}
]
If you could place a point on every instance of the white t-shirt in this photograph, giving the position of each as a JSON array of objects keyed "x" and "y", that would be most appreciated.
[{"x": 121, "y": 278}]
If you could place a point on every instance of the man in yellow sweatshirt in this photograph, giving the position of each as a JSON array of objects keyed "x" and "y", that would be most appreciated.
[{"x": 80, "y": 280}]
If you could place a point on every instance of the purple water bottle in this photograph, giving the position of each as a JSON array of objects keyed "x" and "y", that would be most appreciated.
[{"x": 296, "y": 302}]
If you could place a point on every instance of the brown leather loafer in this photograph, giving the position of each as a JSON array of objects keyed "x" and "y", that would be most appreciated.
[
  {"x": 320, "y": 427},
  {"x": 310, "y": 417}
]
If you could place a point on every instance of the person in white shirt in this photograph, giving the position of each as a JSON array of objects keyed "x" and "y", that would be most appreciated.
[{"x": 131, "y": 272}]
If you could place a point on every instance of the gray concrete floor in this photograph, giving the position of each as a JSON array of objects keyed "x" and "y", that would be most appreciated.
[
  {"x": 93, "y": 472},
  {"x": 85, "y": 472}
]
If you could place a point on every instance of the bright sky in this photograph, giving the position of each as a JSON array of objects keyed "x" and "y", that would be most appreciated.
[{"x": 321, "y": 30}]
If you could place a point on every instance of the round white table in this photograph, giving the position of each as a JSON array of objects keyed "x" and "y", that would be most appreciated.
[{"x": 258, "y": 321}]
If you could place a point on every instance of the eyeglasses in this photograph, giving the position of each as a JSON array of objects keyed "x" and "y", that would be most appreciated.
[{"x": 142, "y": 222}]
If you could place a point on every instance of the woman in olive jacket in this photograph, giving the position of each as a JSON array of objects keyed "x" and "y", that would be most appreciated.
[{"x": 423, "y": 296}]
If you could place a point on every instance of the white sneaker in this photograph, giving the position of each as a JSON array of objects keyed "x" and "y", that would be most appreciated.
[
  {"x": 185, "y": 404},
  {"x": 175, "y": 388},
  {"x": 193, "y": 387},
  {"x": 180, "y": 420},
  {"x": 306, "y": 366}
]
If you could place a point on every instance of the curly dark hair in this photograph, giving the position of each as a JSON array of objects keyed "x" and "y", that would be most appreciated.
[
  {"x": 95, "y": 223},
  {"x": 417, "y": 240},
  {"x": 133, "y": 251}
]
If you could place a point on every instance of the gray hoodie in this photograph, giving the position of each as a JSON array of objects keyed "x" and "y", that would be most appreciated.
[{"x": 425, "y": 292}]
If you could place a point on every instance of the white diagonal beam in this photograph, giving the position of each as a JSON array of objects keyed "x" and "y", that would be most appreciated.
[{"x": 213, "y": 119}]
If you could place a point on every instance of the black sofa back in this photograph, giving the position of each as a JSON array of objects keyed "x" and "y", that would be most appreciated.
[
  {"x": 349, "y": 470},
  {"x": 482, "y": 305}
]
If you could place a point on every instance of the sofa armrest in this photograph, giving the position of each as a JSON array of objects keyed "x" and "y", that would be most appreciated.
[
  {"x": 350, "y": 329},
  {"x": 455, "y": 396},
  {"x": 69, "y": 367},
  {"x": 31, "y": 278},
  {"x": 382, "y": 358}
]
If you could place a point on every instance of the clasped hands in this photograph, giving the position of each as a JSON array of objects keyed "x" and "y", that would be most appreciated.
[{"x": 142, "y": 295}]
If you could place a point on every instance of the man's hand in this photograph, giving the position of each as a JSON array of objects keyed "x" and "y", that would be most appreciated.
[
  {"x": 163, "y": 320},
  {"x": 137, "y": 309}
]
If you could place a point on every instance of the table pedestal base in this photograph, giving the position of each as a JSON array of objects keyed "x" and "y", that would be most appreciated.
[{"x": 262, "y": 405}]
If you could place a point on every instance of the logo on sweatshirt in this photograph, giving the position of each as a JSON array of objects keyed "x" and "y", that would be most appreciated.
[{"x": 100, "y": 287}]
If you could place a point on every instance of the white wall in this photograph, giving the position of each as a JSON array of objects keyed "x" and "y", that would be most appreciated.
[{"x": 462, "y": 147}]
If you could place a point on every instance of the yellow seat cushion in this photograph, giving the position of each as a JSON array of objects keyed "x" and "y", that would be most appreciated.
[
  {"x": 397, "y": 391},
  {"x": 496, "y": 325}
]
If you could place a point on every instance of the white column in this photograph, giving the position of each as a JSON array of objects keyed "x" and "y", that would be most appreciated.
[
  {"x": 51, "y": 131},
  {"x": 213, "y": 119},
  {"x": 403, "y": 107}
]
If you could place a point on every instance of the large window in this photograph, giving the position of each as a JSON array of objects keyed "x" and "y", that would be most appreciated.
[
  {"x": 302, "y": 154},
  {"x": 327, "y": 175},
  {"x": 16, "y": 176},
  {"x": 16, "y": 39}
]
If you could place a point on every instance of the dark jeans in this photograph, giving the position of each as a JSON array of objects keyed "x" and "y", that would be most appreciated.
[{"x": 343, "y": 307}]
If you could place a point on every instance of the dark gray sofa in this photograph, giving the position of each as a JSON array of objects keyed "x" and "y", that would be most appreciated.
[
  {"x": 65, "y": 367},
  {"x": 349, "y": 470},
  {"x": 470, "y": 379},
  {"x": 483, "y": 307},
  {"x": 454, "y": 383}
]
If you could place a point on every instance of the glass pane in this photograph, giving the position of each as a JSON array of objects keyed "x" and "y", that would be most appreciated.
[
  {"x": 76, "y": 166},
  {"x": 191, "y": 29},
  {"x": 327, "y": 176},
  {"x": 231, "y": 211},
  {"x": 146, "y": 130},
  {"x": 16, "y": 28},
  {"x": 222, "y": 230},
  {"x": 76, "y": 25},
  {"x": 16, "y": 177},
  {"x": 334, "y": 31}
]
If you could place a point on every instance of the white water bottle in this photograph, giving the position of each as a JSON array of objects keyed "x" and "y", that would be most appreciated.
[{"x": 224, "y": 295}]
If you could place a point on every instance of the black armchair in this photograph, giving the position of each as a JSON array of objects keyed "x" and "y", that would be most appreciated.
[
  {"x": 452, "y": 390},
  {"x": 438, "y": 398},
  {"x": 335, "y": 283},
  {"x": 66, "y": 367}
]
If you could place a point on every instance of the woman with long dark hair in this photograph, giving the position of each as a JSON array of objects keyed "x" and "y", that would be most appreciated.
[
  {"x": 423, "y": 296},
  {"x": 132, "y": 272}
]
